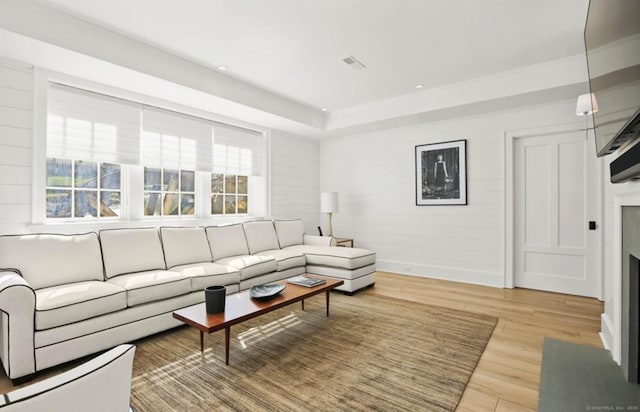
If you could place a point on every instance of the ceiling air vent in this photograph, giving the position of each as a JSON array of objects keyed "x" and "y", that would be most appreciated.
[{"x": 353, "y": 63}]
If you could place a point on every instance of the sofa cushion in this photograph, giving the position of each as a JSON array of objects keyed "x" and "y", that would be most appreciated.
[
  {"x": 341, "y": 273},
  {"x": 46, "y": 260},
  {"x": 184, "y": 245},
  {"x": 260, "y": 236},
  {"x": 208, "y": 274},
  {"x": 131, "y": 250},
  {"x": 341, "y": 257},
  {"x": 73, "y": 302},
  {"x": 285, "y": 259},
  {"x": 250, "y": 265},
  {"x": 290, "y": 232},
  {"x": 225, "y": 241},
  {"x": 153, "y": 285}
]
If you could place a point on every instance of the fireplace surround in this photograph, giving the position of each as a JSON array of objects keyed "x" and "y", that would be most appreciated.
[{"x": 630, "y": 292}]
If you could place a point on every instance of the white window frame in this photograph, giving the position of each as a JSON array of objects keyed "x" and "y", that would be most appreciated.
[
  {"x": 75, "y": 189},
  {"x": 132, "y": 176},
  {"x": 236, "y": 194}
]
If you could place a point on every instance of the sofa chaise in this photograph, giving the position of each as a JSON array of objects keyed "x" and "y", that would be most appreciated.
[{"x": 66, "y": 296}]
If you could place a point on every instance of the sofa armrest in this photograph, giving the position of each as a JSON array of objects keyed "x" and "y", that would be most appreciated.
[
  {"x": 102, "y": 383},
  {"x": 17, "y": 317},
  {"x": 316, "y": 240}
]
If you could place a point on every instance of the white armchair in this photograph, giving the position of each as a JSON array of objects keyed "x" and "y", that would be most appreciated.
[
  {"x": 102, "y": 384},
  {"x": 17, "y": 308}
]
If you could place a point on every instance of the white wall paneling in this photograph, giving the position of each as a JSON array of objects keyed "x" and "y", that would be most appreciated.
[
  {"x": 16, "y": 124},
  {"x": 295, "y": 180},
  {"x": 374, "y": 176},
  {"x": 295, "y": 172}
]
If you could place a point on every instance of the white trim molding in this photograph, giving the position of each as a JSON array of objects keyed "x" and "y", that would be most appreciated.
[{"x": 476, "y": 277}]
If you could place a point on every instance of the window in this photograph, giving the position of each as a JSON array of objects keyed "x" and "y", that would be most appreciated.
[
  {"x": 109, "y": 157},
  {"x": 229, "y": 194},
  {"x": 169, "y": 192},
  {"x": 78, "y": 189}
]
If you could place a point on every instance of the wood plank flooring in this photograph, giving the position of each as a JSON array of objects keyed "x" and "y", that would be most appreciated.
[{"x": 508, "y": 374}]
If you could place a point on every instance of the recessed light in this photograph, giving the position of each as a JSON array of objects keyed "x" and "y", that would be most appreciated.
[
  {"x": 223, "y": 68},
  {"x": 324, "y": 109},
  {"x": 419, "y": 86}
]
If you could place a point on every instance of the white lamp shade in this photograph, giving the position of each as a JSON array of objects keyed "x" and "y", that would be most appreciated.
[
  {"x": 586, "y": 105},
  {"x": 329, "y": 202}
]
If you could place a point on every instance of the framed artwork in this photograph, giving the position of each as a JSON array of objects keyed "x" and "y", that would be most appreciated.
[{"x": 441, "y": 173}]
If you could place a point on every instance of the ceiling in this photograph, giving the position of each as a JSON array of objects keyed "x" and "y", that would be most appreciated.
[
  {"x": 295, "y": 47},
  {"x": 283, "y": 58}
]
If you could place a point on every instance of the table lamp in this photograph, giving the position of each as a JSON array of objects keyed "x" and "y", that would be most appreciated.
[{"x": 329, "y": 204}]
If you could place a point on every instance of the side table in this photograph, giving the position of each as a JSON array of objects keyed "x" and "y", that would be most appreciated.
[{"x": 344, "y": 242}]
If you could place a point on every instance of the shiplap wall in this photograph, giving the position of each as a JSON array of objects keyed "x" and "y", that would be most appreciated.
[
  {"x": 16, "y": 119},
  {"x": 374, "y": 174},
  {"x": 295, "y": 180},
  {"x": 294, "y": 162}
]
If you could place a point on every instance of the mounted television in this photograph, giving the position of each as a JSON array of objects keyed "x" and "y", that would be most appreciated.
[{"x": 612, "y": 42}]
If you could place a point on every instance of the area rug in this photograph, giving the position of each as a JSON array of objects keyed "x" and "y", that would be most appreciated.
[
  {"x": 372, "y": 353},
  {"x": 581, "y": 378}
]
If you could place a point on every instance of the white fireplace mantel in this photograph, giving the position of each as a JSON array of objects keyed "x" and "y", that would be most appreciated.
[{"x": 611, "y": 323}]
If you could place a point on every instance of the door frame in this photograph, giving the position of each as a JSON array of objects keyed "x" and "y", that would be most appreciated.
[{"x": 510, "y": 137}]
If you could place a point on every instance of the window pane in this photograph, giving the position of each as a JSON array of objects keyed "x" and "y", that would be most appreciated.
[
  {"x": 152, "y": 178},
  {"x": 152, "y": 204},
  {"x": 109, "y": 176},
  {"x": 187, "y": 181},
  {"x": 59, "y": 173},
  {"x": 109, "y": 204},
  {"x": 170, "y": 180},
  {"x": 187, "y": 204},
  {"x": 242, "y": 185},
  {"x": 216, "y": 204},
  {"x": 170, "y": 204},
  {"x": 86, "y": 174},
  {"x": 59, "y": 202},
  {"x": 230, "y": 204},
  {"x": 230, "y": 184},
  {"x": 217, "y": 181},
  {"x": 242, "y": 204},
  {"x": 86, "y": 202}
]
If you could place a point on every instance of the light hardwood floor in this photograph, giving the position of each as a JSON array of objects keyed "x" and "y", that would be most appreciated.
[{"x": 508, "y": 374}]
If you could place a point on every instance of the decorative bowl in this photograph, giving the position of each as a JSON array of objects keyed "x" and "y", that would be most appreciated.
[{"x": 266, "y": 291}]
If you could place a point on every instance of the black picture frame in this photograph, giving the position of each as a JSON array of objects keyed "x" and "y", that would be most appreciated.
[{"x": 441, "y": 173}]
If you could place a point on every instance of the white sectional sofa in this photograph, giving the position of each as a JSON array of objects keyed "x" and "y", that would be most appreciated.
[{"x": 66, "y": 296}]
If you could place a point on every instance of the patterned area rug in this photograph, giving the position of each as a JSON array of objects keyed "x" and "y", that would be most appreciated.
[{"x": 372, "y": 353}]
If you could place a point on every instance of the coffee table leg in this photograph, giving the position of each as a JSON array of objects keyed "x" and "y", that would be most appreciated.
[
  {"x": 227, "y": 337},
  {"x": 327, "y": 292},
  {"x": 302, "y": 304},
  {"x": 201, "y": 341}
]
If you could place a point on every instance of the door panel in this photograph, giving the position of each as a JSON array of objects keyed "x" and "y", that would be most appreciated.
[
  {"x": 571, "y": 174},
  {"x": 551, "y": 191},
  {"x": 536, "y": 182}
]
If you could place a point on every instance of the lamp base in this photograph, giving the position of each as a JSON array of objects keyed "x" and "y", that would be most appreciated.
[{"x": 330, "y": 224}]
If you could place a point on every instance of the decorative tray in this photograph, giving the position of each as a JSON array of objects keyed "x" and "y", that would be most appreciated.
[{"x": 266, "y": 291}]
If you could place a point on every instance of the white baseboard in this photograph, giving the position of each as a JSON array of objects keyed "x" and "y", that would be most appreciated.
[{"x": 476, "y": 277}]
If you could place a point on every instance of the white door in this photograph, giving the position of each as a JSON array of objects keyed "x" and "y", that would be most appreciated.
[{"x": 555, "y": 197}]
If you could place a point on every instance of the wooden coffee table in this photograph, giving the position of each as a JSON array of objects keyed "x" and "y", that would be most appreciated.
[{"x": 241, "y": 306}]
